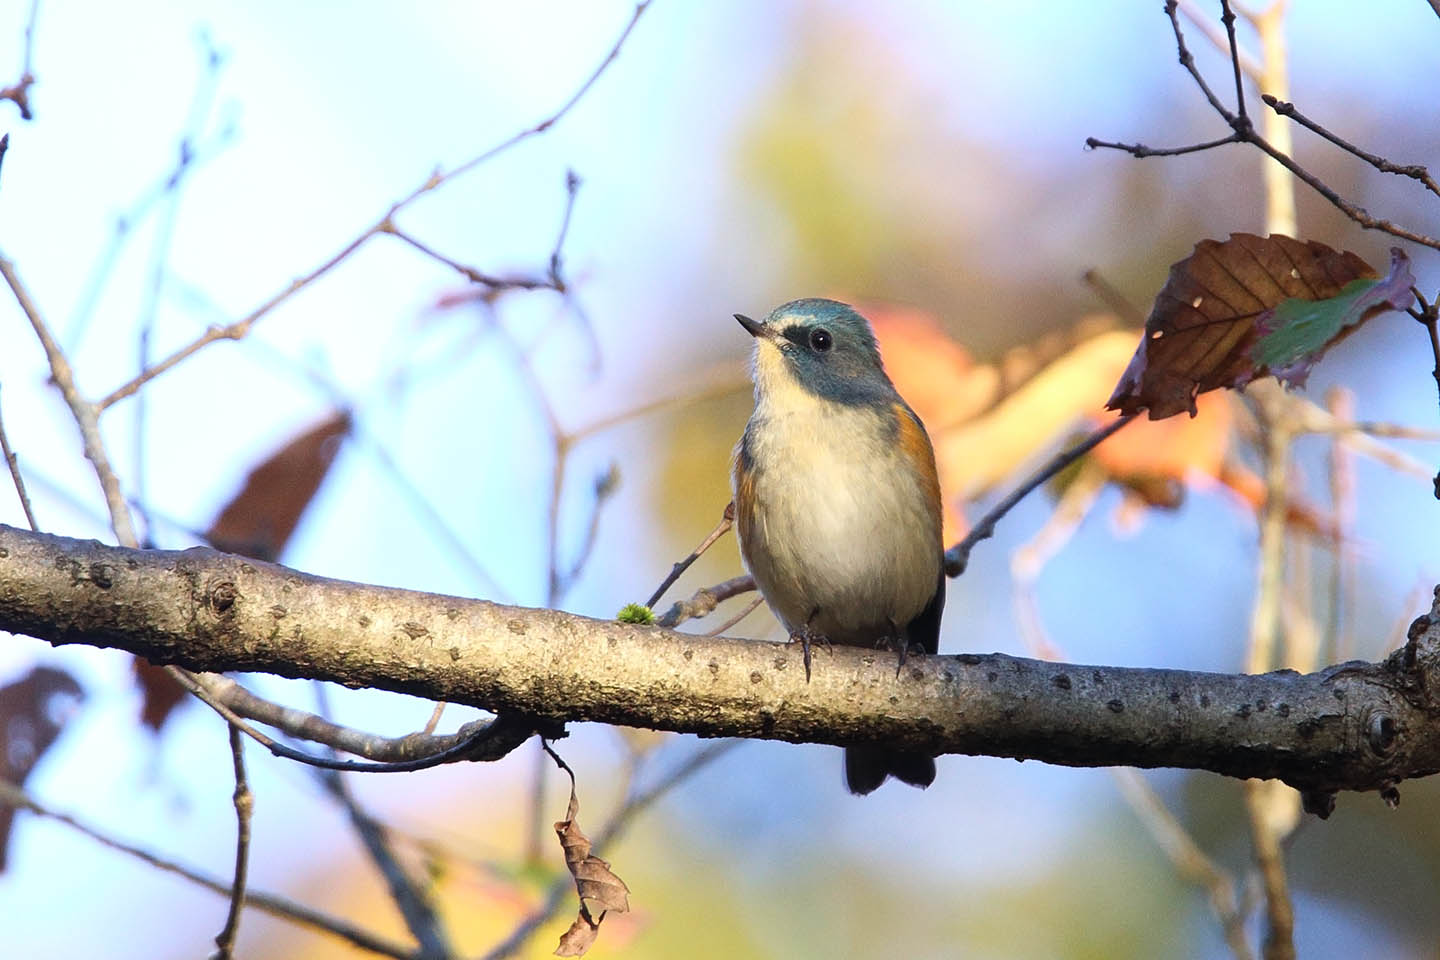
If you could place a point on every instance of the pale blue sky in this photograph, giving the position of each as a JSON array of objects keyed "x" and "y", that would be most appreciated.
[{"x": 338, "y": 109}]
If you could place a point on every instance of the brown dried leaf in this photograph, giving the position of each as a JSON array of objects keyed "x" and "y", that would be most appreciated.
[
  {"x": 1216, "y": 323},
  {"x": 600, "y": 889},
  {"x": 160, "y": 692},
  {"x": 33, "y": 711},
  {"x": 259, "y": 520}
]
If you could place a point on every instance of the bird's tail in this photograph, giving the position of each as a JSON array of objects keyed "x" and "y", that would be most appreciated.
[{"x": 867, "y": 767}]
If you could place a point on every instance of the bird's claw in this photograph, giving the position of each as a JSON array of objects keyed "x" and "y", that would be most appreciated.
[{"x": 807, "y": 638}]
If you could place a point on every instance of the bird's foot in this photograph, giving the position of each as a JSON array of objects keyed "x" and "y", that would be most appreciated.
[
  {"x": 896, "y": 642},
  {"x": 808, "y": 637}
]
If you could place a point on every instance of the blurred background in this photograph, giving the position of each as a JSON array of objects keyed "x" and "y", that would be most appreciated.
[{"x": 925, "y": 159}]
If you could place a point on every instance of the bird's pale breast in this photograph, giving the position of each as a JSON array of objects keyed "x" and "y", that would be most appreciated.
[{"x": 840, "y": 520}]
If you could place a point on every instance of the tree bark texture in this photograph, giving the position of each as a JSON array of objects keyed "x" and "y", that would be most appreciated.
[{"x": 1353, "y": 726}]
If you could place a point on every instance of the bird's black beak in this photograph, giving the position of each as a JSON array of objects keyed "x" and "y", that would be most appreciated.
[{"x": 753, "y": 328}]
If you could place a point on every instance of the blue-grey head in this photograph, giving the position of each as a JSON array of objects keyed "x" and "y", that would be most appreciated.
[{"x": 821, "y": 346}]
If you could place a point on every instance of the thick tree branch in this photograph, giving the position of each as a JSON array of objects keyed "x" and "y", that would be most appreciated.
[{"x": 1354, "y": 726}]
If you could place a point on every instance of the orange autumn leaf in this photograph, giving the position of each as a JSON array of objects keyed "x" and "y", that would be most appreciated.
[
  {"x": 1175, "y": 448},
  {"x": 935, "y": 375}
]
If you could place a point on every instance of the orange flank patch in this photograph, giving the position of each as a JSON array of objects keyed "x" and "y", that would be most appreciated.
[
  {"x": 915, "y": 446},
  {"x": 744, "y": 500}
]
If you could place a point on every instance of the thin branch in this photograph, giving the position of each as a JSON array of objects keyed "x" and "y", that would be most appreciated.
[
  {"x": 635, "y": 803},
  {"x": 1414, "y": 171},
  {"x": 703, "y": 602},
  {"x": 1428, "y": 313},
  {"x": 1341, "y": 589},
  {"x": 1139, "y": 150},
  {"x": 958, "y": 556},
  {"x": 1273, "y": 808},
  {"x": 494, "y": 282},
  {"x": 1187, "y": 858},
  {"x": 411, "y": 899},
  {"x": 13, "y": 463},
  {"x": 1280, "y": 914},
  {"x": 240, "y": 328},
  {"x": 84, "y": 412},
  {"x": 478, "y": 740},
  {"x": 19, "y": 91},
  {"x": 1109, "y": 295},
  {"x": 276, "y": 906},
  {"x": 1216, "y": 36},
  {"x": 1244, "y": 131},
  {"x": 572, "y": 189},
  {"x": 727, "y": 519},
  {"x": 1227, "y": 17},
  {"x": 605, "y": 487},
  {"x": 749, "y": 608},
  {"x": 244, "y": 807}
]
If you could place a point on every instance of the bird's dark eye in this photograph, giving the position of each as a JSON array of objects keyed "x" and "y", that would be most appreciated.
[{"x": 820, "y": 340}]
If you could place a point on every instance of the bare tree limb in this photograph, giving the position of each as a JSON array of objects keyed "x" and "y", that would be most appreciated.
[
  {"x": 298, "y": 913},
  {"x": 1353, "y": 726}
]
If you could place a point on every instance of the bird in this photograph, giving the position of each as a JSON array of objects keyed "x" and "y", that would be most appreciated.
[{"x": 837, "y": 502}]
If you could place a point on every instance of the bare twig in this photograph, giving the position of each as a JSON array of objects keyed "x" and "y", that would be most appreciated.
[
  {"x": 1187, "y": 857},
  {"x": 727, "y": 519},
  {"x": 958, "y": 556},
  {"x": 605, "y": 486},
  {"x": 474, "y": 275},
  {"x": 411, "y": 898},
  {"x": 276, "y": 906},
  {"x": 1217, "y": 37},
  {"x": 748, "y": 609},
  {"x": 172, "y": 191},
  {"x": 635, "y": 803},
  {"x": 1280, "y": 914},
  {"x": 1341, "y": 404},
  {"x": 19, "y": 91},
  {"x": 240, "y": 328},
  {"x": 1118, "y": 303},
  {"x": 434, "y": 721},
  {"x": 704, "y": 601},
  {"x": 1273, "y": 807},
  {"x": 478, "y": 740},
  {"x": 1414, "y": 171},
  {"x": 13, "y": 463},
  {"x": 82, "y": 410},
  {"x": 1140, "y": 150},
  {"x": 244, "y": 806},
  {"x": 1244, "y": 132},
  {"x": 1428, "y": 313}
]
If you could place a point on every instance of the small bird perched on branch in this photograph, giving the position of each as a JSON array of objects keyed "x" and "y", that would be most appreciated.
[{"x": 837, "y": 503}]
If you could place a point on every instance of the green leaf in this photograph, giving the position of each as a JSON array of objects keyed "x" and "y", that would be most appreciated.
[{"x": 1296, "y": 332}]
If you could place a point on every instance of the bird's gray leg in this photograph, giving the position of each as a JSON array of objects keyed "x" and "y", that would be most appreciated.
[{"x": 806, "y": 637}]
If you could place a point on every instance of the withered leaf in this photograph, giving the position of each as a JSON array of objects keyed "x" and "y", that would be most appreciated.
[
  {"x": 600, "y": 889},
  {"x": 33, "y": 711},
  {"x": 1250, "y": 306},
  {"x": 160, "y": 693},
  {"x": 580, "y": 937},
  {"x": 259, "y": 520}
]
